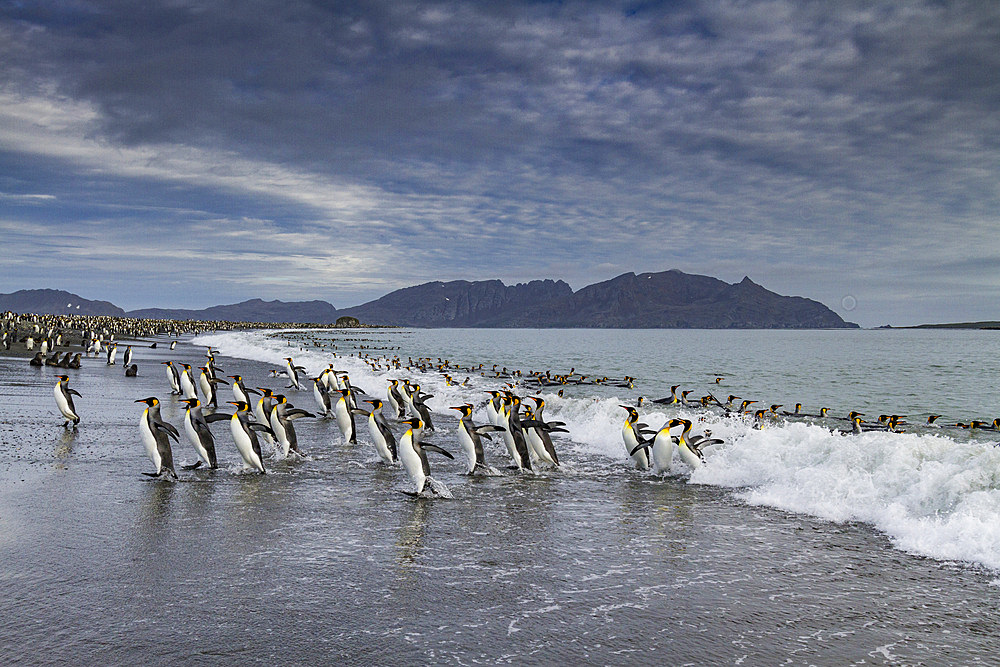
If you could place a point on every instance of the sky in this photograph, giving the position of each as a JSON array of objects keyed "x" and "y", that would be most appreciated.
[{"x": 186, "y": 153}]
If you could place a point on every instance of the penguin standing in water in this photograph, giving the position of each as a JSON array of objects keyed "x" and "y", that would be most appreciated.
[
  {"x": 395, "y": 400},
  {"x": 509, "y": 417},
  {"x": 470, "y": 437},
  {"x": 633, "y": 438},
  {"x": 196, "y": 429},
  {"x": 263, "y": 411},
  {"x": 413, "y": 456},
  {"x": 207, "y": 383},
  {"x": 280, "y": 421},
  {"x": 293, "y": 373},
  {"x": 188, "y": 388},
  {"x": 244, "y": 436},
  {"x": 112, "y": 353},
  {"x": 536, "y": 436},
  {"x": 173, "y": 377},
  {"x": 688, "y": 446},
  {"x": 345, "y": 418},
  {"x": 661, "y": 449},
  {"x": 382, "y": 437},
  {"x": 156, "y": 435},
  {"x": 64, "y": 401},
  {"x": 322, "y": 395},
  {"x": 240, "y": 391}
]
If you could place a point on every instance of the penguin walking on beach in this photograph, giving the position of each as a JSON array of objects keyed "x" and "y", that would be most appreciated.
[
  {"x": 197, "y": 431},
  {"x": 127, "y": 359},
  {"x": 536, "y": 436},
  {"x": 156, "y": 435},
  {"x": 395, "y": 400},
  {"x": 470, "y": 438},
  {"x": 281, "y": 417},
  {"x": 293, "y": 373},
  {"x": 322, "y": 395},
  {"x": 262, "y": 411},
  {"x": 173, "y": 377},
  {"x": 381, "y": 435},
  {"x": 188, "y": 388},
  {"x": 345, "y": 417},
  {"x": 245, "y": 436},
  {"x": 112, "y": 353},
  {"x": 509, "y": 417},
  {"x": 633, "y": 437},
  {"x": 240, "y": 391},
  {"x": 208, "y": 386},
  {"x": 64, "y": 401},
  {"x": 413, "y": 456}
]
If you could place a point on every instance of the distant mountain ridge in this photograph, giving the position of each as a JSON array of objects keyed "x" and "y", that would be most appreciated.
[
  {"x": 56, "y": 302},
  {"x": 253, "y": 310},
  {"x": 667, "y": 299}
]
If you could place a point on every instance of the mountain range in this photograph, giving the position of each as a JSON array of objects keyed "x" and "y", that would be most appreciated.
[{"x": 667, "y": 299}]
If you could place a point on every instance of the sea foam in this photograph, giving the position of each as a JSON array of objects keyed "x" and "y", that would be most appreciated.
[{"x": 930, "y": 494}]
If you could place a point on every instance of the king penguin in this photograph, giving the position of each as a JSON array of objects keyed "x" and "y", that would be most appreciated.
[
  {"x": 382, "y": 437},
  {"x": 413, "y": 456},
  {"x": 64, "y": 401},
  {"x": 244, "y": 436},
  {"x": 633, "y": 438},
  {"x": 196, "y": 429},
  {"x": 156, "y": 435},
  {"x": 345, "y": 418},
  {"x": 470, "y": 439}
]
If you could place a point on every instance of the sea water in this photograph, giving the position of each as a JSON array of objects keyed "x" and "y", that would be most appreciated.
[{"x": 792, "y": 543}]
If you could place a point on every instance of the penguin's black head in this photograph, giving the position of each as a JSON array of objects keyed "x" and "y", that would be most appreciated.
[
  {"x": 150, "y": 400},
  {"x": 412, "y": 423},
  {"x": 190, "y": 402},
  {"x": 240, "y": 405}
]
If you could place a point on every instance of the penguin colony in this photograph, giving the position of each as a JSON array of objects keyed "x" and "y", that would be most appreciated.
[{"x": 264, "y": 426}]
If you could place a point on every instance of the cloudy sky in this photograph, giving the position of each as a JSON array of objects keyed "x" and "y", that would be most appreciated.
[{"x": 188, "y": 153}]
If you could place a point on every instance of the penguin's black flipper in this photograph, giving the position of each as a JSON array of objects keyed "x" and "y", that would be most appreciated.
[
  {"x": 168, "y": 429},
  {"x": 255, "y": 426},
  {"x": 435, "y": 448},
  {"x": 641, "y": 445},
  {"x": 152, "y": 474},
  {"x": 216, "y": 417},
  {"x": 74, "y": 392},
  {"x": 298, "y": 412},
  {"x": 192, "y": 466}
]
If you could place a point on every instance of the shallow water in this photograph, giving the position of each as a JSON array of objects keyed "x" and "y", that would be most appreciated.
[{"x": 326, "y": 559}]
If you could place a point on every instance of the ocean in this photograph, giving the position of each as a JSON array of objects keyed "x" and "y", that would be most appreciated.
[{"x": 792, "y": 544}]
